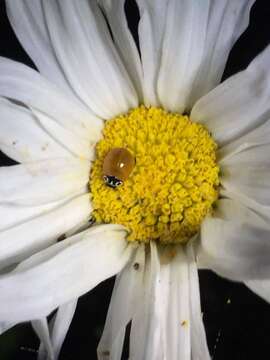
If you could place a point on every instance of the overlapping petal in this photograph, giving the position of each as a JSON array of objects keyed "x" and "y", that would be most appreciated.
[
  {"x": 151, "y": 30},
  {"x": 235, "y": 242},
  {"x": 248, "y": 173},
  {"x": 79, "y": 38},
  {"x": 42, "y": 229},
  {"x": 44, "y": 181},
  {"x": 182, "y": 51},
  {"x": 28, "y": 22},
  {"x": 51, "y": 128},
  {"x": 239, "y": 104},
  {"x": 123, "y": 38},
  {"x": 146, "y": 327},
  {"x": 62, "y": 273},
  {"x": 258, "y": 137},
  {"x": 23, "y": 138},
  {"x": 168, "y": 312},
  {"x": 42, "y": 330},
  {"x": 25, "y": 85},
  {"x": 199, "y": 347},
  {"x": 185, "y": 45},
  {"x": 58, "y": 328},
  {"x": 227, "y": 20},
  {"x": 124, "y": 301}
]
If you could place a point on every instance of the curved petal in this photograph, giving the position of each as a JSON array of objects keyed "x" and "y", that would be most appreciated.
[
  {"x": 25, "y": 85},
  {"x": 58, "y": 328},
  {"x": 42, "y": 283},
  {"x": 253, "y": 192},
  {"x": 257, "y": 137},
  {"x": 184, "y": 47},
  {"x": 42, "y": 330},
  {"x": 248, "y": 173},
  {"x": 245, "y": 201},
  {"x": 12, "y": 215},
  {"x": 163, "y": 302},
  {"x": 23, "y": 139},
  {"x": 126, "y": 46},
  {"x": 74, "y": 144},
  {"x": 124, "y": 300},
  {"x": 239, "y": 104},
  {"x": 227, "y": 20},
  {"x": 61, "y": 325},
  {"x": 28, "y": 237},
  {"x": 85, "y": 51},
  {"x": 235, "y": 243},
  {"x": 44, "y": 181},
  {"x": 29, "y": 25},
  {"x": 169, "y": 309}
]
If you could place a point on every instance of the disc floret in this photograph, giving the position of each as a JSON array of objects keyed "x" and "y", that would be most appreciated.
[{"x": 174, "y": 183}]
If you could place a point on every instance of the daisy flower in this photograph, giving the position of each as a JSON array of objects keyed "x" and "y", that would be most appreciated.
[{"x": 133, "y": 162}]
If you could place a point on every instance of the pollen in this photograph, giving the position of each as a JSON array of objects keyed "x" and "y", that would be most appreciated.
[{"x": 173, "y": 185}]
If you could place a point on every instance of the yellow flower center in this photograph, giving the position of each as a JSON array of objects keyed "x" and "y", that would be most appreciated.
[{"x": 173, "y": 184}]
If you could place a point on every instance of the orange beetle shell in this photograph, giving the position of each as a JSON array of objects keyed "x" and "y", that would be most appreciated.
[{"x": 119, "y": 163}]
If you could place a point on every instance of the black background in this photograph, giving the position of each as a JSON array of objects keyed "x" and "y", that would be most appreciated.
[{"x": 237, "y": 321}]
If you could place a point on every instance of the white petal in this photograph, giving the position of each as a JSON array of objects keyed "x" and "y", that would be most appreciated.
[
  {"x": 163, "y": 302},
  {"x": 163, "y": 321},
  {"x": 23, "y": 139},
  {"x": 27, "y": 20},
  {"x": 43, "y": 181},
  {"x": 22, "y": 240},
  {"x": 182, "y": 51},
  {"x": 185, "y": 45},
  {"x": 199, "y": 346},
  {"x": 86, "y": 53},
  {"x": 260, "y": 287},
  {"x": 227, "y": 20},
  {"x": 12, "y": 215},
  {"x": 124, "y": 300},
  {"x": 41, "y": 328},
  {"x": 34, "y": 291},
  {"x": 239, "y": 104},
  {"x": 151, "y": 29},
  {"x": 248, "y": 173},
  {"x": 126, "y": 46},
  {"x": 74, "y": 144},
  {"x": 27, "y": 86},
  {"x": 61, "y": 325},
  {"x": 262, "y": 210},
  {"x": 146, "y": 327},
  {"x": 257, "y": 137},
  {"x": 5, "y": 326},
  {"x": 235, "y": 243},
  {"x": 175, "y": 307},
  {"x": 58, "y": 327}
]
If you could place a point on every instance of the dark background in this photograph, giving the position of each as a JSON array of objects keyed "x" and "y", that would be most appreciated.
[{"x": 237, "y": 321}]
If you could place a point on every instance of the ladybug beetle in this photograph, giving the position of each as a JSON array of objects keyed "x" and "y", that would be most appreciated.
[{"x": 117, "y": 166}]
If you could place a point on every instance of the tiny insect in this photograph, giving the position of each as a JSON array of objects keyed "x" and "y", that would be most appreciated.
[{"x": 117, "y": 166}]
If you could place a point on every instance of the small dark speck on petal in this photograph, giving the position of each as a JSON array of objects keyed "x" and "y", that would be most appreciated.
[
  {"x": 61, "y": 237},
  {"x": 92, "y": 220}
]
